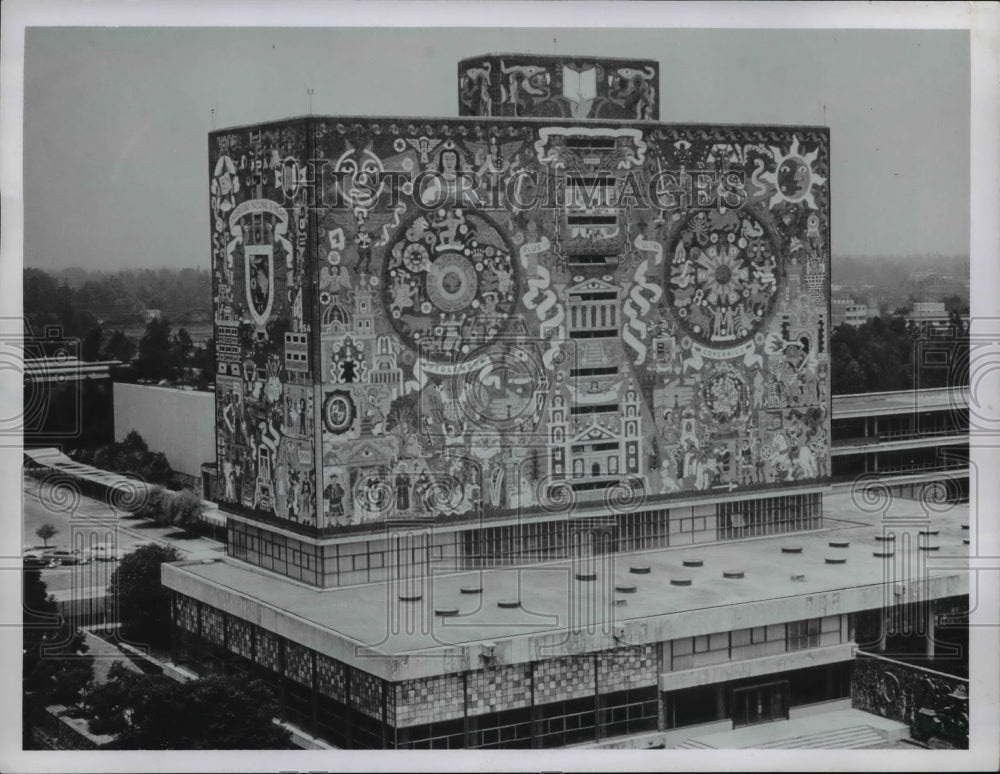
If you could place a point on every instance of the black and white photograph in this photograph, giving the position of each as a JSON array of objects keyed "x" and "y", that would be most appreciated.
[{"x": 511, "y": 386}]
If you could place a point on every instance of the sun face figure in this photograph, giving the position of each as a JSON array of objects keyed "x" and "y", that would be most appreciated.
[{"x": 793, "y": 177}]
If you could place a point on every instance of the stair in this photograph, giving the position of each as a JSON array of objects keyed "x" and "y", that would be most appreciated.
[
  {"x": 854, "y": 738},
  {"x": 693, "y": 744}
]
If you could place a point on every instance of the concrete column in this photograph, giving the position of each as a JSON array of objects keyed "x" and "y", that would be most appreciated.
[
  {"x": 880, "y": 647},
  {"x": 661, "y": 719},
  {"x": 930, "y": 630},
  {"x": 720, "y": 701}
]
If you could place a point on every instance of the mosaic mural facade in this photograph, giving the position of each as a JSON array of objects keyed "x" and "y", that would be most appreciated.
[
  {"x": 532, "y": 85},
  {"x": 476, "y": 316}
]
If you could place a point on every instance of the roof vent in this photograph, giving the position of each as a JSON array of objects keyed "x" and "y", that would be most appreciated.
[
  {"x": 680, "y": 581},
  {"x": 840, "y": 543},
  {"x": 885, "y": 538},
  {"x": 883, "y": 554},
  {"x": 625, "y": 588},
  {"x": 732, "y": 574},
  {"x": 586, "y": 576},
  {"x": 446, "y": 612},
  {"x": 836, "y": 560},
  {"x": 694, "y": 562},
  {"x": 509, "y": 603},
  {"x": 412, "y": 597},
  {"x": 798, "y": 578},
  {"x": 639, "y": 569},
  {"x": 791, "y": 549},
  {"x": 472, "y": 589}
]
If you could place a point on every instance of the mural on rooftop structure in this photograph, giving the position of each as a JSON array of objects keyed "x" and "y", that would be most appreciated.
[
  {"x": 539, "y": 304},
  {"x": 538, "y": 86}
]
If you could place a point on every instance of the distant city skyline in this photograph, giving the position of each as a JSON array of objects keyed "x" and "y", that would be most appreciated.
[{"x": 116, "y": 119}]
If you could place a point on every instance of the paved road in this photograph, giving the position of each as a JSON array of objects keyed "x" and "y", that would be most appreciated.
[{"x": 82, "y": 521}]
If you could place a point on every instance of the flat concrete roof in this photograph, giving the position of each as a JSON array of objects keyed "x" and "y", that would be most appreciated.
[
  {"x": 554, "y": 604},
  {"x": 899, "y": 402}
]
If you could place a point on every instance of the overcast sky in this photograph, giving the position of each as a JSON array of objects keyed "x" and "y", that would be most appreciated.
[{"x": 115, "y": 119}]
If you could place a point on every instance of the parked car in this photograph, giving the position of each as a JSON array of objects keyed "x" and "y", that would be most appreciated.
[
  {"x": 103, "y": 552},
  {"x": 64, "y": 556},
  {"x": 34, "y": 560}
]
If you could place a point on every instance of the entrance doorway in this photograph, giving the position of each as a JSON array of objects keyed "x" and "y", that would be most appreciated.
[{"x": 760, "y": 703}]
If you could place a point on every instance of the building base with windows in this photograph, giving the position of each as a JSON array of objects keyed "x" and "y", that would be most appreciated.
[{"x": 659, "y": 644}]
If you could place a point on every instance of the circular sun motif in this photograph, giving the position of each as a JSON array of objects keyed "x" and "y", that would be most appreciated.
[
  {"x": 722, "y": 286},
  {"x": 794, "y": 176},
  {"x": 449, "y": 283}
]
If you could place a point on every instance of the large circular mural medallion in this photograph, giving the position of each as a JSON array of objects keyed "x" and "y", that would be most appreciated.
[
  {"x": 723, "y": 276},
  {"x": 449, "y": 283}
]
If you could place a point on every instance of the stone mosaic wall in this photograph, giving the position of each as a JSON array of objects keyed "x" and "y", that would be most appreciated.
[
  {"x": 900, "y": 691},
  {"x": 186, "y": 613},
  {"x": 624, "y": 668},
  {"x": 366, "y": 693},
  {"x": 331, "y": 678},
  {"x": 262, "y": 299},
  {"x": 487, "y": 312},
  {"x": 498, "y": 689},
  {"x": 211, "y": 625},
  {"x": 561, "y": 679},
  {"x": 269, "y": 650},
  {"x": 298, "y": 663},
  {"x": 240, "y": 637},
  {"x": 429, "y": 700},
  {"x": 522, "y": 85}
]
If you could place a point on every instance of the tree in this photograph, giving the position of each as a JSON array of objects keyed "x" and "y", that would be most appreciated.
[
  {"x": 153, "y": 712},
  {"x": 45, "y": 532},
  {"x": 183, "y": 345},
  {"x": 135, "y": 442},
  {"x": 143, "y": 603},
  {"x": 184, "y": 509},
  {"x": 119, "y": 347},
  {"x": 91, "y": 347},
  {"x": 155, "y": 352},
  {"x": 55, "y": 666},
  {"x": 153, "y": 505}
]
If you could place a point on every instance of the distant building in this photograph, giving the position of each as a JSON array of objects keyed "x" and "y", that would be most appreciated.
[
  {"x": 151, "y": 314},
  {"x": 932, "y": 318},
  {"x": 153, "y": 412},
  {"x": 847, "y": 311}
]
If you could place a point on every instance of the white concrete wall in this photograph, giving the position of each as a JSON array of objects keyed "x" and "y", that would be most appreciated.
[{"x": 179, "y": 423}]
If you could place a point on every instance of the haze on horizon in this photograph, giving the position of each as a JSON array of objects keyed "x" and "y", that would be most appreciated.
[{"x": 116, "y": 119}]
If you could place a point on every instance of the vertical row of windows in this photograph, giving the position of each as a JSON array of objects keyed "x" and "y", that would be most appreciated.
[{"x": 769, "y": 516}]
